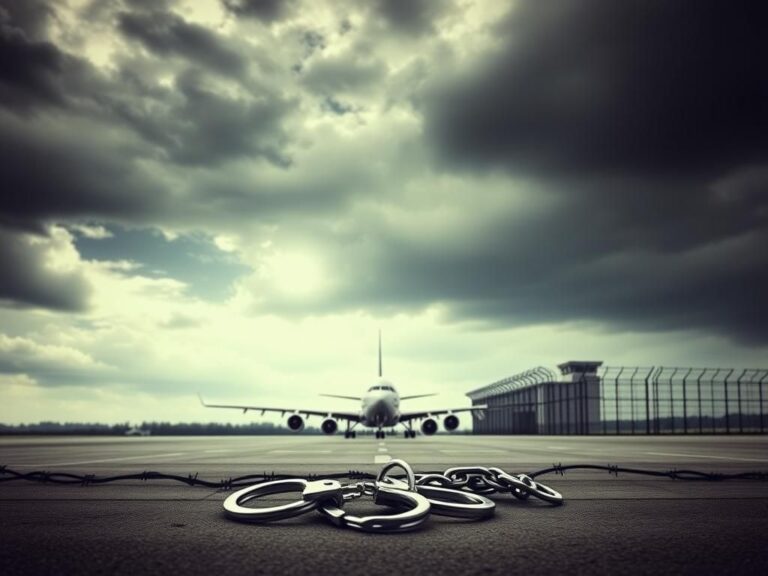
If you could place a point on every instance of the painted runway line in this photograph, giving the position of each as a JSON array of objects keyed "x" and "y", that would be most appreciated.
[
  {"x": 299, "y": 451},
  {"x": 101, "y": 460},
  {"x": 494, "y": 450}
]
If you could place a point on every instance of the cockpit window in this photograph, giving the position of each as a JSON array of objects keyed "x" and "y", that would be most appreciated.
[{"x": 388, "y": 388}]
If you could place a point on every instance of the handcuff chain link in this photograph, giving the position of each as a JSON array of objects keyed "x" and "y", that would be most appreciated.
[{"x": 481, "y": 480}]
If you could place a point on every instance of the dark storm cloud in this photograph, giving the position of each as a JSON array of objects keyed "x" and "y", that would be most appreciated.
[
  {"x": 642, "y": 128},
  {"x": 411, "y": 16},
  {"x": 193, "y": 122},
  {"x": 265, "y": 10},
  {"x": 167, "y": 34},
  {"x": 344, "y": 74},
  {"x": 75, "y": 140},
  {"x": 48, "y": 175},
  {"x": 30, "y": 70},
  {"x": 602, "y": 86},
  {"x": 30, "y": 16},
  {"x": 566, "y": 264},
  {"x": 27, "y": 280},
  {"x": 65, "y": 136},
  {"x": 225, "y": 127},
  {"x": 576, "y": 276},
  {"x": 638, "y": 121},
  {"x": 640, "y": 124}
]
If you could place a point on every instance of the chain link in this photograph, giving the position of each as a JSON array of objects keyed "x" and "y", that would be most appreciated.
[{"x": 481, "y": 480}]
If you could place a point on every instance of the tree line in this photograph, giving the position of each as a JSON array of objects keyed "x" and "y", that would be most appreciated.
[{"x": 152, "y": 428}]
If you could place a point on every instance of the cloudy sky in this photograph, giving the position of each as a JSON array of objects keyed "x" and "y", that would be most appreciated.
[{"x": 233, "y": 196}]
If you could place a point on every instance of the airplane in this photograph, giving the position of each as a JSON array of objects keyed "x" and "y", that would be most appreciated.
[{"x": 380, "y": 409}]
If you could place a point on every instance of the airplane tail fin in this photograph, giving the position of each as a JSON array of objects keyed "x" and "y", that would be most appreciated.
[{"x": 380, "y": 371}]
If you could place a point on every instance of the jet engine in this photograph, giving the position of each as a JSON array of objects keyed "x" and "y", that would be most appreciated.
[
  {"x": 296, "y": 423},
  {"x": 451, "y": 422},
  {"x": 329, "y": 426},
  {"x": 428, "y": 427}
]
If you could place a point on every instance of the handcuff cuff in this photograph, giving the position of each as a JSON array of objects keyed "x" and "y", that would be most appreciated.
[{"x": 413, "y": 502}]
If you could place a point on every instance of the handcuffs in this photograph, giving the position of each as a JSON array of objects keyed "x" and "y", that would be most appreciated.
[{"x": 414, "y": 498}]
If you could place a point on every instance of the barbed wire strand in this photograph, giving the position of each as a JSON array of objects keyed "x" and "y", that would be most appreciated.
[
  {"x": 673, "y": 474},
  {"x": 8, "y": 475}
]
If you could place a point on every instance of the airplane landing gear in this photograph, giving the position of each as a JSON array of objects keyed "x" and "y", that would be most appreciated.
[
  {"x": 409, "y": 432},
  {"x": 349, "y": 432},
  {"x": 380, "y": 434}
]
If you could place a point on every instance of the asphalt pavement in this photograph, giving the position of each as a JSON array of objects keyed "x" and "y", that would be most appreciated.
[{"x": 608, "y": 523}]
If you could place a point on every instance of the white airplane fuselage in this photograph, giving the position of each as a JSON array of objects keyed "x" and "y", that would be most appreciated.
[{"x": 381, "y": 406}]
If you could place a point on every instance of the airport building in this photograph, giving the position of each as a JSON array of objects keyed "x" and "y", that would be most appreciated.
[{"x": 584, "y": 397}]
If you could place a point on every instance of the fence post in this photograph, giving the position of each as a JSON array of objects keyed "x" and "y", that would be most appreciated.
[
  {"x": 738, "y": 396},
  {"x": 603, "y": 380},
  {"x": 727, "y": 416},
  {"x": 672, "y": 401},
  {"x": 648, "y": 402},
  {"x": 632, "y": 398},
  {"x": 712, "y": 393},
  {"x": 760, "y": 389},
  {"x": 657, "y": 419},
  {"x": 698, "y": 389},
  {"x": 585, "y": 402},
  {"x": 616, "y": 388},
  {"x": 685, "y": 402}
]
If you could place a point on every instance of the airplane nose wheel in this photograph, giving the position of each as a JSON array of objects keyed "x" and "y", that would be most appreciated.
[{"x": 350, "y": 434}]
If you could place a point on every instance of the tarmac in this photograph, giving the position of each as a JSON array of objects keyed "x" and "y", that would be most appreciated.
[{"x": 608, "y": 524}]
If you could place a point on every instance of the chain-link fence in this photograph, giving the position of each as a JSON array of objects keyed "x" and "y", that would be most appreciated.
[
  {"x": 666, "y": 400},
  {"x": 626, "y": 400}
]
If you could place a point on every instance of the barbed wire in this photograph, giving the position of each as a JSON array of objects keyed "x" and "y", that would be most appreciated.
[
  {"x": 9, "y": 474},
  {"x": 673, "y": 474}
]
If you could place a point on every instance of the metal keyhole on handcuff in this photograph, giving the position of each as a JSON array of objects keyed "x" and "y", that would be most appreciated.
[{"x": 413, "y": 502}]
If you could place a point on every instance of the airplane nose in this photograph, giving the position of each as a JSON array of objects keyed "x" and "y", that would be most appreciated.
[
  {"x": 380, "y": 405},
  {"x": 380, "y": 411}
]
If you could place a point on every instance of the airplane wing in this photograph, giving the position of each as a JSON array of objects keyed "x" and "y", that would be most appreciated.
[
  {"x": 358, "y": 398},
  {"x": 351, "y": 416},
  {"x": 416, "y": 396},
  {"x": 407, "y": 416}
]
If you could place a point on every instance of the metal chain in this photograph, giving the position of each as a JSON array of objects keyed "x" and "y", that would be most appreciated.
[
  {"x": 458, "y": 492},
  {"x": 481, "y": 480}
]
